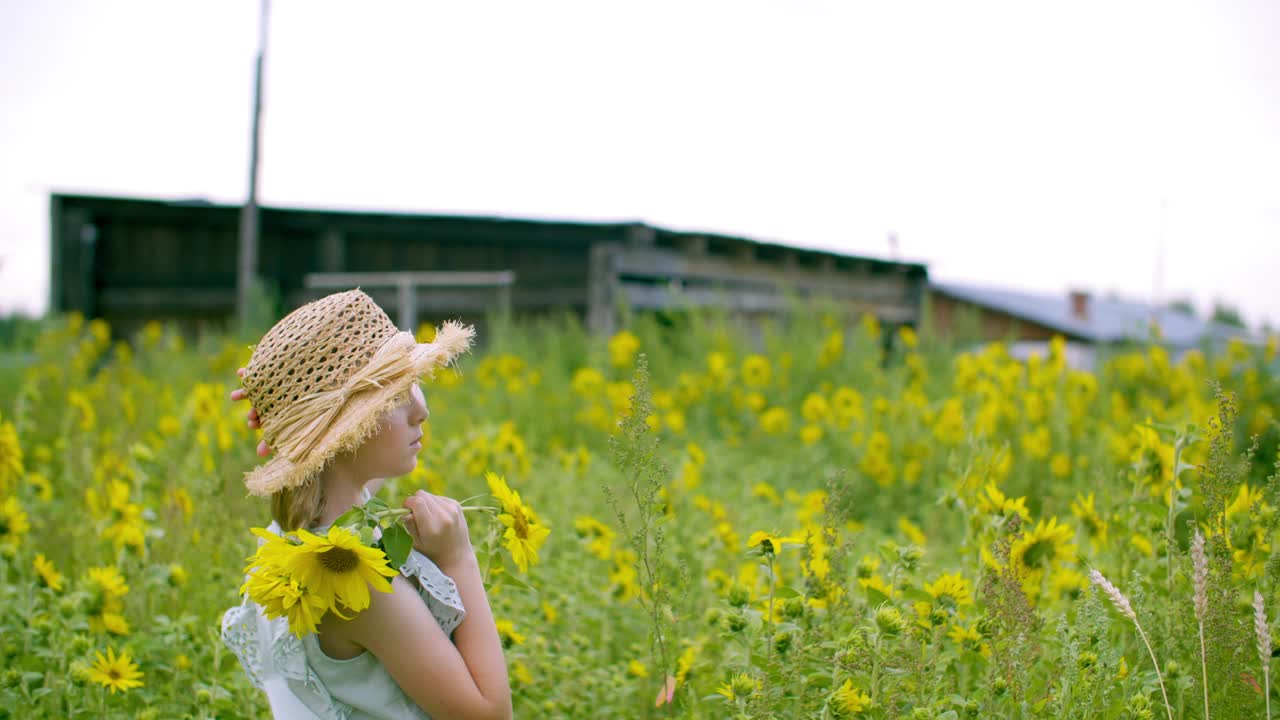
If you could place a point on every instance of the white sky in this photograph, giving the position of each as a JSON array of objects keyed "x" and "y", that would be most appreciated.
[{"x": 1008, "y": 143}]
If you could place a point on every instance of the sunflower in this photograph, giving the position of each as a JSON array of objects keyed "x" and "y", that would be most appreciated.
[
  {"x": 339, "y": 566},
  {"x": 756, "y": 371},
  {"x": 1032, "y": 554},
  {"x": 11, "y": 467},
  {"x": 849, "y": 701},
  {"x": 48, "y": 573},
  {"x": 951, "y": 591},
  {"x": 525, "y": 533},
  {"x": 601, "y": 536},
  {"x": 507, "y": 631},
  {"x": 108, "y": 581},
  {"x": 13, "y": 523},
  {"x": 1083, "y": 508},
  {"x": 281, "y": 596},
  {"x": 115, "y": 672},
  {"x": 768, "y": 543}
]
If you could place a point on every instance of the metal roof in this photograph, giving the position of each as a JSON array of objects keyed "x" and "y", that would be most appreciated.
[{"x": 1109, "y": 319}]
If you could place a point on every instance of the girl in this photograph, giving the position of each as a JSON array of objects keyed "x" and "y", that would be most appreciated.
[{"x": 334, "y": 387}]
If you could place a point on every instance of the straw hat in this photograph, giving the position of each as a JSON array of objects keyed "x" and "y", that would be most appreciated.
[{"x": 324, "y": 375}]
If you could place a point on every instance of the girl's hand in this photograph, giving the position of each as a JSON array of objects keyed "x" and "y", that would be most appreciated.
[
  {"x": 252, "y": 418},
  {"x": 438, "y": 527}
]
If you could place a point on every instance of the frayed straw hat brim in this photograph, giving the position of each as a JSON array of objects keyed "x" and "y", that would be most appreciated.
[{"x": 358, "y": 420}]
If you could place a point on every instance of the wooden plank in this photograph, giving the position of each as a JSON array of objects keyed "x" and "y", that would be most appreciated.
[
  {"x": 660, "y": 264},
  {"x": 419, "y": 278},
  {"x": 333, "y": 250},
  {"x": 165, "y": 299},
  {"x": 602, "y": 281},
  {"x": 658, "y": 297}
]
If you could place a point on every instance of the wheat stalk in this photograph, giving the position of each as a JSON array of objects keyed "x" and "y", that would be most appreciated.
[
  {"x": 1263, "y": 630},
  {"x": 1122, "y": 604},
  {"x": 1200, "y": 575}
]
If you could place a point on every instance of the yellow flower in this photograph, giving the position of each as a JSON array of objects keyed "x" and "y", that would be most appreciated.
[
  {"x": 764, "y": 490},
  {"x": 768, "y": 543},
  {"x": 1083, "y": 508},
  {"x": 850, "y": 701},
  {"x": 951, "y": 590},
  {"x": 182, "y": 662},
  {"x": 13, "y": 523},
  {"x": 108, "y": 581},
  {"x": 622, "y": 349},
  {"x": 968, "y": 638},
  {"x": 281, "y": 596},
  {"x": 637, "y": 668},
  {"x": 48, "y": 574},
  {"x": 876, "y": 583},
  {"x": 507, "y": 631},
  {"x": 601, "y": 535},
  {"x": 1037, "y": 443},
  {"x": 115, "y": 672},
  {"x": 1060, "y": 465},
  {"x": 756, "y": 371},
  {"x": 815, "y": 409},
  {"x": 775, "y": 421},
  {"x": 1142, "y": 545},
  {"x": 521, "y": 673},
  {"x": 994, "y": 502},
  {"x": 177, "y": 575},
  {"x": 811, "y": 434},
  {"x": 1037, "y": 549},
  {"x": 525, "y": 533},
  {"x": 88, "y": 418},
  {"x": 739, "y": 686},
  {"x": 111, "y": 622},
  {"x": 44, "y": 488},
  {"x": 11, "y": 466},
  {"x": 587, "y": 382},
  {"x": 908, "y": 336},
  {"x": 339, "y": 566},
  {"x": 912, "y": 531}
]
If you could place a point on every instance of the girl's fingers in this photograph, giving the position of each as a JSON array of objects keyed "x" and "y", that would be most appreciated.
[
  {"x": 263, "y": 449},
  {"x": 240, "y": 372},
  {"x": 237, "y": 394}
]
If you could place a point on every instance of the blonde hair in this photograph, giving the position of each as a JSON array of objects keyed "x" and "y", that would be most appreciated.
[{"x": 300, "y": 506}]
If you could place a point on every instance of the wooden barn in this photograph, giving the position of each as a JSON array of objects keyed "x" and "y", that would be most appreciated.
[{"x": 130, "y": 260}]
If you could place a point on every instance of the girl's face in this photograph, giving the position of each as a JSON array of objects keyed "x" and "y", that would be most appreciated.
[{"x": 393, "y": 450}]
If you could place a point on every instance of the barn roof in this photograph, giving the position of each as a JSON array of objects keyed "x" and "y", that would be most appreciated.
[
  {"x": 181, "y": 210},
  {"x": 1109, "y": 319}
]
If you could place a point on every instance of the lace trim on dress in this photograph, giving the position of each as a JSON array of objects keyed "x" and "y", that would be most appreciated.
[{"x": 437, "y": 589}]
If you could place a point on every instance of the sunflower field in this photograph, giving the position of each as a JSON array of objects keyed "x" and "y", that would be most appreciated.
[{"x": 824, "y": 519}]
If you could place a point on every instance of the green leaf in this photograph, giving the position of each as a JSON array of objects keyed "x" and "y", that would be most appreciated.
[
  {"x": 783, "y": 592},
  {"x": 398, "y": 543},
  {"x": 351, "y": 517},
  {"x": 376, "y": 503},
  {"x": 1152, "y": 509},
  {"x": 875, "y": 597},
  {"x": 916, "y": 594}
]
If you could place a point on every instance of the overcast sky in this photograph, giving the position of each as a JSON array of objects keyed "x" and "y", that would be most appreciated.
[{"x": 1012, "y": 144}]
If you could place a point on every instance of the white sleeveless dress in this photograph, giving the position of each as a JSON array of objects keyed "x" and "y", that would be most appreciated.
[{"x": 303, "y": 683}]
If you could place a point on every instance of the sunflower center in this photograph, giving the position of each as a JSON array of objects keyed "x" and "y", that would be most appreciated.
[
  {"x": 521, "y": 525},
  {"x": 1038, "y": 554},
  {"x": 113, "y": 673},
  {"x": 339, "y": 560}
]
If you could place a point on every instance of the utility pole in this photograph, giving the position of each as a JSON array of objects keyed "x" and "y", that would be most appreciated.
[
  {"x": 1158, "y": 281},
  {"x": 247, "y": 273}
]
